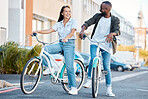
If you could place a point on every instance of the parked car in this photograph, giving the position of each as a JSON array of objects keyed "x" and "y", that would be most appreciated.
[
  {"x": 115, "y": 65},
  {"x": 127, "y": 57}
]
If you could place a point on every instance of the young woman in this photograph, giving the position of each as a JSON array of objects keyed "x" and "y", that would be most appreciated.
[{"x": 66, "y": 28}]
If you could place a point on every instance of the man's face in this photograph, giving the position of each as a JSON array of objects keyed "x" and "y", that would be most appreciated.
[{"x": 104, "y": 9}]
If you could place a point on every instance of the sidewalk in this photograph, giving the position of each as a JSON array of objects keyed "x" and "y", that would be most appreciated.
[{"x": 9, "y": 80}]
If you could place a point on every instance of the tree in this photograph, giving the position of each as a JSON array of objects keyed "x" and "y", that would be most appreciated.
[{"x": 126, "y": 48}]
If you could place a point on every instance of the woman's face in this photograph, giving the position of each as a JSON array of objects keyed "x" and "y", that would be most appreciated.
[{"x": 66, "y": 13}]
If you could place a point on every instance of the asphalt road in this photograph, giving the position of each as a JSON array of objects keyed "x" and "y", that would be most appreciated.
[{"x": 126, "y": 85}]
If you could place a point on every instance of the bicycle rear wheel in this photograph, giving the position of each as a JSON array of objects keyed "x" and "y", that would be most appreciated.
[
  {"x": 29, "y": 81},
  {"x": 96, "y": 73},
  {"x": 79, "y": 73}
]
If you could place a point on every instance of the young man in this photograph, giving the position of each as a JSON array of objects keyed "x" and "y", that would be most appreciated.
[{"x": 106, "y": 27}]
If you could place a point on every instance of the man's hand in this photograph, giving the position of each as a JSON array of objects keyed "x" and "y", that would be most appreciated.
[
  {"x": 109, "y": 37},
  {"x": 81, "y": 34}
]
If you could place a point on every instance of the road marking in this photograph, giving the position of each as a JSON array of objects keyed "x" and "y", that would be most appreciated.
[
  {"x": 8, "y": 90},
  {"x": 119, "y": 78},
  {"x": 142, "y": 90}
]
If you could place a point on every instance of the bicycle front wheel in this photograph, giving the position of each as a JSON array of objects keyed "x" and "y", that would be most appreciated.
[
  {"x": 79, "y": 73},
  {"x": 30, "y": 77},
  {"x": 95, "y": 80}
]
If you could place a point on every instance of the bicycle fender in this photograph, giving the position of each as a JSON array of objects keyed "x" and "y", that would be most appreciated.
[{"x": 95, "y": 61}]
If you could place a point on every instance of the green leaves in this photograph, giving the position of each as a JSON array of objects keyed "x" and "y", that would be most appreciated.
[{"x": 13, "y": 58}]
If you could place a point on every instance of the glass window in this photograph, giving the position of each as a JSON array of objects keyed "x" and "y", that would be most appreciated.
[
  {"x": 2, "y": 35},
  {"x": 39, "y": 25},
  {"x": 34, "y": 25},
  {"x": 65, "y": 0},
  {"x": 22, "y": 4},
  {"x": 69, "y": 1},
  {"x": 46, "y": 24}
]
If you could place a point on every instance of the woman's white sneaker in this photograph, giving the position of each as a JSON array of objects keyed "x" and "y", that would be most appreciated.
[
  {"x": 73, "y": 91},
  {"x": 109, "y": 92},
  {"x": 87, "y": 84}
]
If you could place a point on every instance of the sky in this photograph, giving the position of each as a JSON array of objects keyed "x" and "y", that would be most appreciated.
[{"x": 129, "y": 9}]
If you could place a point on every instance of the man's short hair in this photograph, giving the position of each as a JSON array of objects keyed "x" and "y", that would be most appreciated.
[{"x": 107, "y": 2}]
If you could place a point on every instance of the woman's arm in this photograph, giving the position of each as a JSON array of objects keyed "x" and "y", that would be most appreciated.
[
  {"x": 45, "y": 31},
  {"x": 69, "y": 35}
]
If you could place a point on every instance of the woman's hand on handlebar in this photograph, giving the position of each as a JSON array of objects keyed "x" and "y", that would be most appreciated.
[
  {"x": 65, "y": 40},
  {"x": 34, "y": 33}
]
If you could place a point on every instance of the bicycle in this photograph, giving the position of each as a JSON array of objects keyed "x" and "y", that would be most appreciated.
[
  {"x": 33, "y": 71},
  {"x": 96, "y": 69}
]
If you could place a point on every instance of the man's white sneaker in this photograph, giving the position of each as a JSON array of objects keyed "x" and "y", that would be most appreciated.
[
  {"x": 73, "y": 91},
  {"x": 87, "y": 84},
  {"x": 109, "y": 92}
]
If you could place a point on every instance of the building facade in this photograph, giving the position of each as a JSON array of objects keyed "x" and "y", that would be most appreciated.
[
  {"x": 45, "y": 15},
  {"x": 26, "y": 16},
  {"x": 13, "y": 21},
  {"x": 87, "y": 8},
  {"x": 3, "y": 21},
  {"x": 141, "y": 31},
  {"x": 82, "y": 11},
  {"x": 127, "y": 36}
]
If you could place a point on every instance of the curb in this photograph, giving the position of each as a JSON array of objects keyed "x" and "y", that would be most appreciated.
[{"x": 4, "y": 83}]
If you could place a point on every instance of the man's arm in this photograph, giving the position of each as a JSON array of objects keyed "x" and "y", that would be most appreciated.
[
  {"x": 88, "y": 23},
  {"x": 91, "y": 21},
  {"x": 82, "y": 31},
  {"x": 45, "y": 31},
  {"x": 116, "y": 27}
]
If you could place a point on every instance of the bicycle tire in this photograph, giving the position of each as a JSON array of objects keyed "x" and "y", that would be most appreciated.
[
  {"x": 80, "y": 76},
  {"x": 27, "y": 85},
  {"x": 95, "y": 80}
]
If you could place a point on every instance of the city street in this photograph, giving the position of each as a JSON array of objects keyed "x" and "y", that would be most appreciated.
[{"x": 126, "y": 85}]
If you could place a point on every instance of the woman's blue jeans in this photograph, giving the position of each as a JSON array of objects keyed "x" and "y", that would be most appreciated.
[
  {"x": 69, "y": 51},
  {"x": 106, "y": 63}
]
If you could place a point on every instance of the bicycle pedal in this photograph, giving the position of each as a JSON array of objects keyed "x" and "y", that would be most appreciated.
[
  {"x": 104, "y": 72},
  {"x": 64, "y": 82}
]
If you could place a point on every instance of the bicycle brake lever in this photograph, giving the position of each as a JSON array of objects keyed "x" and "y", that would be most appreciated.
[
  {"x": 84, "y": 36},
  {"x": 34, "y": 34}
]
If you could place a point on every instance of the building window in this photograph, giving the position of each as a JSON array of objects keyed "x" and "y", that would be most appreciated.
[
  {"x": 70, "y": 2},
  {"x": 39, "y": 25},
  {"x": 22, "y": 4},
  {"x": 34, "y": 23},
  {"x": 65, "y": 1},
  {"x": 2, "y": 35}
]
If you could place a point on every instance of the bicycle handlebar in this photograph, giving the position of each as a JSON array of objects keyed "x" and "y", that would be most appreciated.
[
  {"x": 35, "y": 34},
  {"x": 101, "y": 41}
]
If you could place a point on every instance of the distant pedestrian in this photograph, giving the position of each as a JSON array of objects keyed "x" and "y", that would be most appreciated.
[
  {"x": 66, "y": 28},
  {"x": 106, "y": 26}
]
